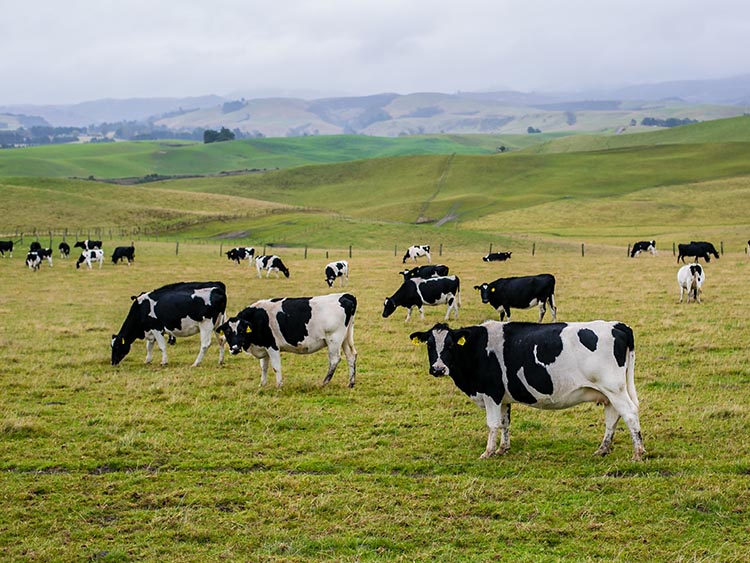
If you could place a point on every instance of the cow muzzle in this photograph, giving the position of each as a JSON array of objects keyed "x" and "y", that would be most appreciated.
[
  {"x": 438, "y": 371},
  {"x": 234, "y": 350}
]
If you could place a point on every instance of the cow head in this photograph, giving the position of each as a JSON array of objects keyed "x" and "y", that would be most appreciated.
[
  {"x": 484, "y": 290},
  {"x": 389, "y": 306},
  {"x": 236, "y": 331},
  {"x": 441, "y": 342},
  {"x": 120, "y": 348}
]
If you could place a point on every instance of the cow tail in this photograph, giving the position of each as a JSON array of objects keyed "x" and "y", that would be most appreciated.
[{"x": 630, "y": 376}]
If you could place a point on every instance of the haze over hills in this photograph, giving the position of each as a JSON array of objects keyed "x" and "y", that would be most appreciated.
[{"x": 391, "y": 114}]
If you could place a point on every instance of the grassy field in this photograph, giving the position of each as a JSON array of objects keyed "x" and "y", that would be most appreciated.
[{"x": 147, "y": 463}]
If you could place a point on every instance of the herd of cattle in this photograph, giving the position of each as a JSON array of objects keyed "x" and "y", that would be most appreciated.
[
  {"x": 91, "y": 251},
  {"x": 496, "y": 363}
]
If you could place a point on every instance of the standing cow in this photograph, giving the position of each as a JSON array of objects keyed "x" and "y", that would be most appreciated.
[
  {"x": 553, "y": 366},
  {"x": 6, "y": 246},
  {"x": 33, "y": 260},
  {"x": 122, "y": 253},
  {"x": 416, "y": 292},
  {"x": 417, "y": 251},
  {"x": 241, "y": 253},
  {"x": 88, "y": 244},
  {"x": 271, "y": 264},
  {"x": 497, "y": 257},
  {"x": 696, "y": 249},
  {"x": 64, "y": 249},
  {"x": 643, "y": 246},
  {"x": 428, "y": 271},
  {"x": 178, "y": 309},
  {"x": 690, "y": 278},
  {"x": 89, "y": 256},
  {"x": 300, "y": 325},
  {"x": 520, "y": 293},
  {"x": 339, "y": 270}
]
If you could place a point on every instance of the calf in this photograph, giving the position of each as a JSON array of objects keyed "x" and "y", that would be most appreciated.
[
  {"x": 88, "y": 244},
  {"x": 33, "y": 260},
  {"x": 417, "y": 251},
  {"x": 696, "y": 249},
  {"x": 122, "y": 253},
  {"x": 424, "y": 272},
  {"x": 241, "y": 253},
  {"x": 178, "y": 309},
  {"x": 417, "y": 292},
  {"x": 497, "y": 257},
  {"x": 271, "y": 264},
  {"x": 300, "y": 325},
  {"x": 520, "y": 293},
  {"x": 89, "y": 256},
  {"x": 6, "y": 246},
  {"x": 339, "y": 270},
  {"x": 643, "y": 246},
  {"x": 690, "y": 278},
  {"x": 553, "y": 366},
  {"x": 64, "y": 249}
]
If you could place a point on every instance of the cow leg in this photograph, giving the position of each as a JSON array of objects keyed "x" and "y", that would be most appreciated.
[
  {"x": 162, "y": 344},
  {"x": 351, "y": 355},
  {"x": 553, "y": 308},
  {"x": 334, "y": 357},
  {"x": 542, "y": 309},
  {"x": 149, "y": 348},
  {"x": 505, "y": 428},
  {"x": 275, "y": 358},
  {"x": 408, "y": 314},
  {"x": 611, "y": 418},
  {"x": 421, "y": 312},
  {"x": 492, "y": 411},
  {"x": 206, "y": 328},
  {"x": 628, "y": 410},
  {"x": 264, "y": 370}
]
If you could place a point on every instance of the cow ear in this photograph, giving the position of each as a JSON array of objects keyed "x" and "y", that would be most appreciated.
[
  {"x": 133, "y": 297},
  {"x": 248, "y": 330},
  {"x": 460, "y": 336},
  {"x": 418, "y": 338},
  {"x": 477, "y": 288}
]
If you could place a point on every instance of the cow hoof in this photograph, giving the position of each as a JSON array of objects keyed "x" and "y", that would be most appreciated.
[
  {"x": 502, "y": 450},
  {"x": 486, "y": 455},
  {"x": 601, "y": 452}
]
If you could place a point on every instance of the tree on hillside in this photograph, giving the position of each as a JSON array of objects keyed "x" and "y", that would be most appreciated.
[{"x": 213, "y": 136}]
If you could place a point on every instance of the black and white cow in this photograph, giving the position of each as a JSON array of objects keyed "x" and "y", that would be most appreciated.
[
  {"x": 690, "y": 278},
  {"x": 520, "y": 293},
  {"x": 88, "y": 244},
  {"x": 553, "y": 366},
  {"x": 271, "y": 264},
  {"x": 33, "y": 260},
  {"x": 64, "y": 249},
  {"x": 497, "y": 257},
  {"x": 696, "y": 249},
  {"x": 424, "y": 272},
  {"x": 45, "y": 253},
  {"x": 122, "y": 253},
  {"x": 6, "y": 246},
  {"x": 241, "y": 253},
  {"x": 300, "y": 325},
  {"x": 35, "y": 246},
  {"x": 417, "y": 292},
  {"x": 643, "y": 246},
  {"x": 339, "y": 270},
  {"x": 178, "y": 309},
  {"x": 89, "y": 256},
  {"x": 417, "y": 251}
]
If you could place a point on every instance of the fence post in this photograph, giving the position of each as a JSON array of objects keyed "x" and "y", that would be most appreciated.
[
  {"x": 50, "y": 242},
  {"x": 221, "y": 249},
  {"x": 673, "y": 250},
  {"x": 264, "y": 250},
  {"x": 490, "y": 252},
  {"x": 582, "y": 250},
  {"x": 722, "y": 247},
  {"x": 628, "y": 249},
  {"x": 350, "y": 251},
  {"x": 533, "y": 248},
  {"x": 177, "y": 249},
  {"x": 326, "y": 255},
  {"x": 441, "y": 249},
  {"x": 305, "y": 252},
  {"x": 395, "y": 250}
]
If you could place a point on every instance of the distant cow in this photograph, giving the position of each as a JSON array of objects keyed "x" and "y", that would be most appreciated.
[
  {"x": 45, "y": 253},
  {"x": 270, "y": 264},
  {"x": 64, "y": 249},
  {"x": 520, "y": 293},
  {"x": 33, "y": 260},
  {"x": 690, "y": 278},
  {"x": 122, "y": 253},
  {"x": 179, "y": 309},
  {"x": 88, "y": 244},
  {"x": 89, "y": 256},
  {"x": 696, "y": 249},
  {"x": 417, "y": 251},
  {"x": 6, "y": 246},
  {"x": 417, "y": 292},
  {"x": 35, "y": 246},
  {"x": 497, "y": 257},
  {"x": 241, "y": 253},
  {"x": 424, "y": 272},
  {"x": 553, "y": 366},
  {"x": 300, "y": 325},
  {"x": 643, "y": 246},
  {"x": 339, "y": 270}
]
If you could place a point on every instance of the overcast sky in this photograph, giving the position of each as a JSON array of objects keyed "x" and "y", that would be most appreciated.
[{"x": 67, "y": 51}]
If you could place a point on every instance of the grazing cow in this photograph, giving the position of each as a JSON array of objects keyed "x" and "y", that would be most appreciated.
[
  {"x": 179, "y": 309},
  {"x": 520, "y": 293},
  {"x": 271, "y": 264},
  {"x": 33, "y": 260},
  {"x": 64, "y": 249},
  {"x": 417, "y": 251},
  {"x": 335, "y": 270},
  {"x": 301, "y": 325},
  {"x": 88, "y": 244},
  {"x": 35, "y": 246},
  {"x": 424, "y": 272},
  {"x": 6, "y": 246},
  {"x": 122, "y": 253},
  {"x": 45, "y": 253},
  {"x": 553, "y": 366},
  {"x": 89, "y": 256},
  {"x": 690, "y": 278},
  {"x": 643, "y": 246},
  {"x": 497, "y": 257},
  {"x": 241, "y": 253},
  {"x": 417, "y": 292},
  {"x": 696, "y": 249}
]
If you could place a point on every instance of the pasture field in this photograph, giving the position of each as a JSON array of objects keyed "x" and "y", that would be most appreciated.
[{"x": 149, "y": 463}]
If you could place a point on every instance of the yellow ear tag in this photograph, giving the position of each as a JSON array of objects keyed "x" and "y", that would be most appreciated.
[
  {"x": 248, "y": 330},
  {"x": 220, "y": 332},
  {"x": 416, "y": 341},
  {"x": 492, "y": 290},
  {"x": 123, "y": 340},
  {"x": 461, "y": 341}
]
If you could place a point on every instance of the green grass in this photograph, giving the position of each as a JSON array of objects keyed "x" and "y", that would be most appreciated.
[{"x": 150, "y": 463}]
